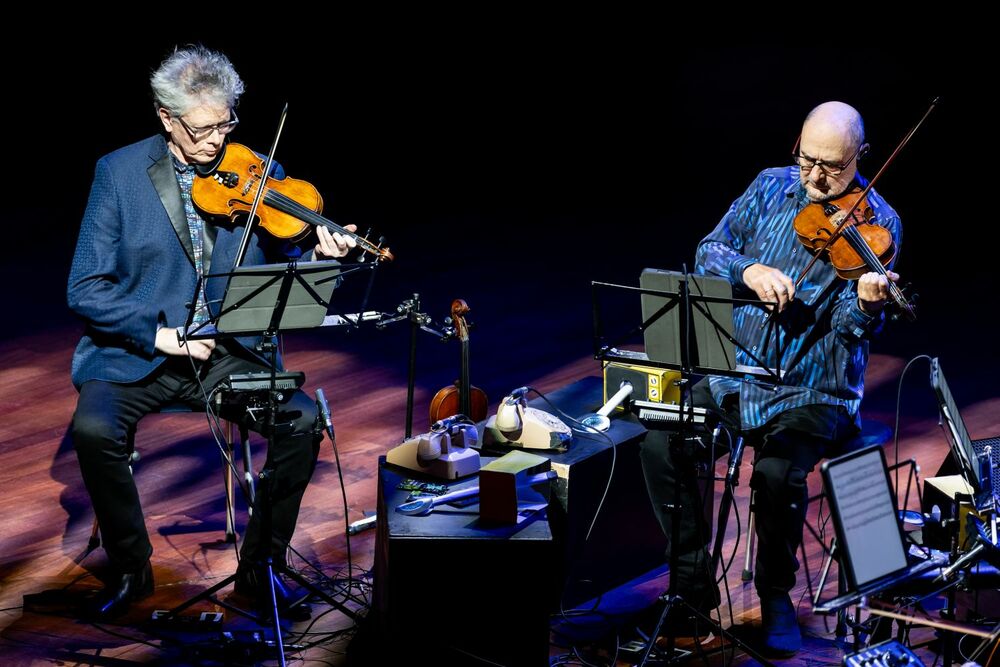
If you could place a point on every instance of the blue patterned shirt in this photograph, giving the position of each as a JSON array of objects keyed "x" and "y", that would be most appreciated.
[
  {"x": 824, "y": 356},
  {"x": 196, "y": 227}
]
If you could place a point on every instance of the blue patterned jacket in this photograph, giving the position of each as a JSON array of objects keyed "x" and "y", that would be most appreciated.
[{"x": 133, "y": 270}]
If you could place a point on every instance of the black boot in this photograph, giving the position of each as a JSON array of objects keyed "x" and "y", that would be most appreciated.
[
  {"x": 115, "y": 598},
  {"x": 782, "y": 636},
  {"x": 251, "y": 583}
]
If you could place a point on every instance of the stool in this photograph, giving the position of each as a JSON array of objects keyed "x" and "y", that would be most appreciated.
[
  {"x": 227, "y": 472},
  {"x": 872, "y": 433}
]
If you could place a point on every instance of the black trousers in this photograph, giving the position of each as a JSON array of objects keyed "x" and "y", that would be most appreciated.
[
  {"x": 786, "y": 450},
  {"x": 106, "y": 411}
]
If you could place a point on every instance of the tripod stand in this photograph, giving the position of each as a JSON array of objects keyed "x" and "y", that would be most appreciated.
[{"x": 673, "y": 600}]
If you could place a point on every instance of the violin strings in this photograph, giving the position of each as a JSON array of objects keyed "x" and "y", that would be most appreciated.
[
  {"x": 857, "y": 241},
  {"x": 288, "y": 205}
]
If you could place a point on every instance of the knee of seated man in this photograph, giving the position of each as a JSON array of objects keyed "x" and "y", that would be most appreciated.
[
  {"x": 777, "y": 477},
  {"x": 90, "y": 432}
]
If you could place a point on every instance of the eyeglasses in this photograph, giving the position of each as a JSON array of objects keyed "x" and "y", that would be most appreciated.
[
  {"x": 807, "y": 163},
  {"x": 201, "y": 133}
]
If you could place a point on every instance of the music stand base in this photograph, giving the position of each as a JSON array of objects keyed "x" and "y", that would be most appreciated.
[{"x": 725, "y": 636}]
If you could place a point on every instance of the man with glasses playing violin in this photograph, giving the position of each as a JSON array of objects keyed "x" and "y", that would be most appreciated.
[
  {"x": 823, "y": 326},
  {"x": 141, "y": 247}
]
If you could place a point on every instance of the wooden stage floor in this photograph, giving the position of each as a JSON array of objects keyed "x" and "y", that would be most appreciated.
[{"x": 45, "y": 520}]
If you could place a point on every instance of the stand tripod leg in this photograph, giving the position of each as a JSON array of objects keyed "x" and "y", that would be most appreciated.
[
  {"x": 266, "y": 531},
  {"x": 841, "y": 630},
  {"x": 227, "y": 478},
  {"x": 207, "y": 594},
  {"x": 322, "y": 595},
  {"x": 411, "y": 373},
  {"x": 670, "y": 601},
  {"x": 747, "y": 574},
  {"x": 248, "y": 469}
]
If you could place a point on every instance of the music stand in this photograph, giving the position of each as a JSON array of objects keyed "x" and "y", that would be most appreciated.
[
  {"x": 264, "y": 300},
  {"x": 869, "y": 538},
  {"x": 687, "y": 326},
  {"x": 977, "y": 467},
  {"x": 978, "y": 463}
]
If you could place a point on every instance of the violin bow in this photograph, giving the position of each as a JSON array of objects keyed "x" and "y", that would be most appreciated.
[{"x": 244, "y": 244}]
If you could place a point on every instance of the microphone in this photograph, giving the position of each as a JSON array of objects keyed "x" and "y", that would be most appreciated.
[
  {"x": 968, "y": 557},
  {"x": 737, "y": 456},
  {"x": 984, "y": 547},
  {"x": 361, "y": 525},
  {"x": 324, "y": 411},
  {"x": 599, "y": 420}
]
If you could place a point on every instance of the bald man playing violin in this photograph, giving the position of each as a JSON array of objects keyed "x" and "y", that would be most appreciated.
[
  {"x": 141, "y": 248},
  {"x": 824, "y": 329}
]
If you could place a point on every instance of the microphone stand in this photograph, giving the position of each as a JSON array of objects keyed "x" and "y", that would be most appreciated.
[
  {"x": 732, "y": 480},
  {"x": 409, "y": 310}
]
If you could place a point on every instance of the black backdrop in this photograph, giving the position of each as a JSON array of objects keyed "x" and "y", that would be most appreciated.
[{"x": 510, "y": 167}]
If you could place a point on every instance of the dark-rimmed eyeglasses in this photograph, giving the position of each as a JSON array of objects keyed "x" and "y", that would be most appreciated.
[
  {"x": 201, "y": 133},
  {"x": 806, "y": 163}
]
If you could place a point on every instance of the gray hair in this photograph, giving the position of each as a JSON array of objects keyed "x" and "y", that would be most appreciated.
[{"x": 192, "y": 76}]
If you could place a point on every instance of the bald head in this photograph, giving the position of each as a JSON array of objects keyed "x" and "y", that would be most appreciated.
[
  {"x": 832, "y": 135},
  {"x": 836, "y": 118}
]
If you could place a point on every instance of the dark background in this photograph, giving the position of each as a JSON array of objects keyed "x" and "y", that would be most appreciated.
[{"x": 512, "y": 166}]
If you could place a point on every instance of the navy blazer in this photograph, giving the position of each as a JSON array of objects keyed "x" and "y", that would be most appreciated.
[{"x": 133, "y": 269}]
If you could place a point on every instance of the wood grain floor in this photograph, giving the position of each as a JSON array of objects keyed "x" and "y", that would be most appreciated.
[{"x": 45, "y": 519}]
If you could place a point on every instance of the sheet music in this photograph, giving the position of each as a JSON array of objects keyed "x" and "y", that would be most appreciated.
[{"x": 868, "y": 516}]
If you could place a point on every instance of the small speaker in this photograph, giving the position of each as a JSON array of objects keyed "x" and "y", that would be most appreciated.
[{"x": 657, "y": 385}]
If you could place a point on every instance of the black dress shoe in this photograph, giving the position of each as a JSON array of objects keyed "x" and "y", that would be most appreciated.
[
  {"x": 251, "y": 583},
  {"x": 114, "y": 599}
]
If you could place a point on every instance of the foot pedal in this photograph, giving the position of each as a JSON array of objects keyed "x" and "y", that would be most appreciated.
[
  {"x": 631, "y": 652},
  {"x": 205, "y": 621}
]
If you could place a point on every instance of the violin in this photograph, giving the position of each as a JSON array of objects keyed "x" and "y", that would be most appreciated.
[
  {"x": 288, "y": 208},
  {"x": 861, "y": 242},
  {"x": 461, "y": 397},
  {"x": 851, "y": 240}
]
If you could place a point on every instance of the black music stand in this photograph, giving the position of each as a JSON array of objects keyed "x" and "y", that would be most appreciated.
[
  {"x": 687, "y": 326},
  {"x": 870, "y": 542},
  {"x": 264, "y": 300},
  {"x": 976, "y": 459}
]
